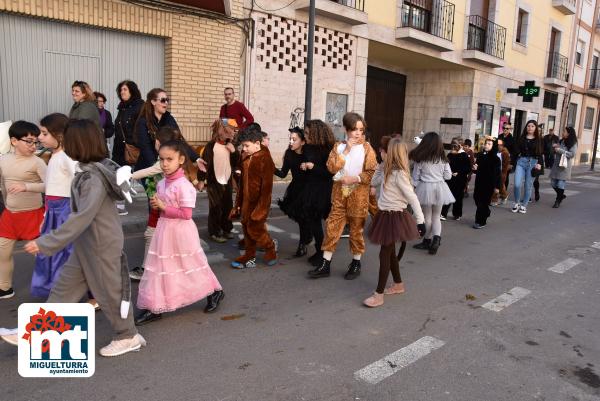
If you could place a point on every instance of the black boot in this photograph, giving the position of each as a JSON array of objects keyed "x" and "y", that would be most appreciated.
[
  {"x": 315, "y": 259},
  {"x": 435, "y": 244},
  {"x": 301, "y": 251},
  {"x": 146, "y": 316},
  {"x": 423, "y": 245},
  {"x": 353, "y": 270},
  {"x": 559, "y": 197},
  {"x": 213, "y": 300},
  {"x": 323, "y": 270}
]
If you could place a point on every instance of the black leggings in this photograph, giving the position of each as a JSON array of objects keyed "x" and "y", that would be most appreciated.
[
  {"x": 388, "y": 260},
  {"x": 305, "y": 232},
  {"x": 315, "y": 230}
]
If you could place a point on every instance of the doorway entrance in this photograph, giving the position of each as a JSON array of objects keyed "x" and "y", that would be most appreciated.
[{"x": 384, "y": 103}]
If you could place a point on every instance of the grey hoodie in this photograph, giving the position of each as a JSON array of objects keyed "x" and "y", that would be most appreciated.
[{"x": 94, "y": 227}]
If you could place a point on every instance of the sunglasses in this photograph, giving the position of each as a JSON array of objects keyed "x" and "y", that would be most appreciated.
[
  {"x": 507, "y": 128},
  {"x": 164, "y": 100},
  {"x": 30, "y": 142}
]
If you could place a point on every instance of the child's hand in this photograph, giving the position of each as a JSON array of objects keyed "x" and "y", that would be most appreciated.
[
  {"x": 475, "y": 167},
  {"x": 303, "y": 166},
  {"x": 234, "y": 214},
  {"x": 32, "y": 248},
  {"x": 422, "y": 229},
  {"x": 454, "y": 174},
  {"x": 538, "y": 166},
  {"x": 373, "y": 191},
  {"x": 496, "y": 190},
  {"x": 309, "y": 165},
  {"x": 156, "y": 203},
  {"x": 201, "y": 165},
  {"x": 349, "y": 144},
  {"x": 200, "y": 186},
  {"x": 348, "y": 180},
  {"x": 16, "y": 188}
]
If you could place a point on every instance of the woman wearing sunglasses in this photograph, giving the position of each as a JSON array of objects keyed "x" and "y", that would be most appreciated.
[{"x": 84, "y": 107}]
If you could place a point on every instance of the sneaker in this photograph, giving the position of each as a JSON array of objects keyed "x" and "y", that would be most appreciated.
[
  {"x": 515, "y": 208},
  {"x": 276, "y": 244},
  {"x": 244, "y": 264},
  {"x": 5, "y": 294},
  {"x": 396, "y": 288},
  {"x": 478, "y": 226},
  {"x": 504, "y": 201},
  {"x": 374, "y": 300},
  {"x": 120, "y": 347},
  {"x": 121, "y": 210},
  {"x": 458, "y": 218},
  {"x": 443, "y": 218},
  {"x": 11, "y": 338},
  {"x": 522, "y": 209},
  {"x": 229, "y": 235},
  {"x": 218, "y": 239},
  {"x": 136, "y": 273}
]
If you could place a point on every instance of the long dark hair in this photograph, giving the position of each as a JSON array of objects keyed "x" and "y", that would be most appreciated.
[
  {"x": 133, "y": 89},
  {"x": 571, "y": 139},
  {"x": 147, "y": 111},
  {"x": 431, "y": 149},
  {"x": 320, "y": 135},
  {"x": 539, "y": 143}
]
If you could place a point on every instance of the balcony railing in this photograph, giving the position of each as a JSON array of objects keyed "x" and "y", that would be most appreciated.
[
  {"x": 558, "y": 66},
  {"x": 595, "y": 78},
  {"x": 486, "y": 36},
  {"x": 356, "y": 4},
  {"x": 435, "y": 17}
]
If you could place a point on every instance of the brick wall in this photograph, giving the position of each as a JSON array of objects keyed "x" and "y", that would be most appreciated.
[{"x": 202, "y": 56}]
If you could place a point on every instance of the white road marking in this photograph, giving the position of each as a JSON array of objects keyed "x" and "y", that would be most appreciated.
[
  {"x": 589, "y": 177},
  {"x": 506, "y": 299},
  {"x": 564, "y": 265},
  {"x": 274, "y": 229},
  {"x": 392, "y": 363},
  {"x": 596, "y": 245},
  {"x": 295, "y": 236}
]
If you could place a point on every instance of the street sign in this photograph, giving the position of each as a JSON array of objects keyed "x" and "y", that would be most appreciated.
[{"x": 527, "y": 91}]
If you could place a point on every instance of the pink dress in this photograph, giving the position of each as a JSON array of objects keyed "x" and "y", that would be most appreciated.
[{"x": 176, "y": 272}]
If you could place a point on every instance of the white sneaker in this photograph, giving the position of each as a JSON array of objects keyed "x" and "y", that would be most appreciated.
[
  {"x": 522, "y": 209},
  {"x": 10, "y": 338},
  {"x": 443, "y": 218},
  {"x": 120, "y": 347},
  {"x": 515, "y": 208}
]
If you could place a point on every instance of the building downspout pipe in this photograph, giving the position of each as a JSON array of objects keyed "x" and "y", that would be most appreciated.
[{"x": 309, "y": 62}]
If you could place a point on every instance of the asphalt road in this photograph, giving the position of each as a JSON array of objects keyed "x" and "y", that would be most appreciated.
[{"x": 281, "y": 336}]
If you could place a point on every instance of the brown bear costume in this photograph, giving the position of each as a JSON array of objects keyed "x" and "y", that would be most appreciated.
[
  {"x": 253, "y": 201},
  {"x": 352, "y": 209}
]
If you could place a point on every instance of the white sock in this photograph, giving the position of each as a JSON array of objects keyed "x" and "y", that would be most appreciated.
[
  {"x": 356, "y": 257},
  {"x": 327, "y": 255}
]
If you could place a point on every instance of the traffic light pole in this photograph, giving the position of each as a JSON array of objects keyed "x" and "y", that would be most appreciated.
[{"x": 309, "y": 62}]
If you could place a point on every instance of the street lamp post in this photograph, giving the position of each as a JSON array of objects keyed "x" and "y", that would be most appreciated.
[{"x": 309, "y": 61}]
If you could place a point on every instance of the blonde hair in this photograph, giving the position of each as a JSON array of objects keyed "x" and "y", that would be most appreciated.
[{"x": 396, "y": 159}]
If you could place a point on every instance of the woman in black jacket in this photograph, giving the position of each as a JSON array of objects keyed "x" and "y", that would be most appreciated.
[
  {"x": 129, "y": 110},
  {"x": 488, "y": 180},
  {"x": 460, "y": 164}
]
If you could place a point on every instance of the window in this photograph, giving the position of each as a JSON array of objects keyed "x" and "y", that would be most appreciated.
[
  {"x": 588, "y": 123},
  {"x": 522, "y": 23},
  {"x": 580, "y": 52},
  {"x": 550, "y": 99},
  {"x": 572, "y": 114},
  {"x": 485, "y": 114}
]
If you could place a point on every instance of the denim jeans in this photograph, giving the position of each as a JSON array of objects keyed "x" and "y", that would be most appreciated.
[
  {"x": 523, "y": 174},
  {"x": 560, "y": 184}
]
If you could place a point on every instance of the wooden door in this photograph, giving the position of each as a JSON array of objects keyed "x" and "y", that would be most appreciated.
[{"x": 384, "y": 104}]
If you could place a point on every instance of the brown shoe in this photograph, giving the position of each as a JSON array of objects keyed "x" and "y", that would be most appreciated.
[
  {"x": 374, "y": 300},
  {"x": 396, "y": 288}
]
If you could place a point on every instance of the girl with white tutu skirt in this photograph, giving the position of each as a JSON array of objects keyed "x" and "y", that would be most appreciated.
[{"x": 430, "y": 172}]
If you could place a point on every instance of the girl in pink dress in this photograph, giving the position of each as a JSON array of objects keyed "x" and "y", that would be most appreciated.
[{"x": 176, "y": 272}]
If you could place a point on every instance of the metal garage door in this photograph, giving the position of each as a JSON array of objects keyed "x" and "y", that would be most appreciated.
[{"x": 39, "y": 60}]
